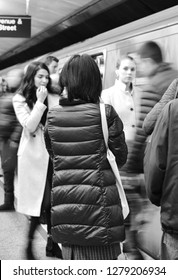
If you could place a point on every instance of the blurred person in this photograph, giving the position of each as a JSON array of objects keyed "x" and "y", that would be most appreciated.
[
  {"x": 10, "y": 133},
  {"x": 55, "y": 85},
  {"x": 86, "y": 209},
  {"x": 162, "y": 177},
  {"x": 1, "y": 93},
  {"x": 159, "y": 75},
  {"x": 151, "y": 118},
  {"x": 3, "y": 85},
  {"x": 3, "y": 89},
  {"x": 34, "y": 168},
  {"x": 52, "y": 63}
]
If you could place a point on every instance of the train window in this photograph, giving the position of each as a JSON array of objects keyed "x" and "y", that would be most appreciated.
[{"x": 100, "y": 60}]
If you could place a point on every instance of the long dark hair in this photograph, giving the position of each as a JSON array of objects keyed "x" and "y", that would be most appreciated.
[
  {"x": 82, "y": 79},
  {"x": 28, "y": 88}
]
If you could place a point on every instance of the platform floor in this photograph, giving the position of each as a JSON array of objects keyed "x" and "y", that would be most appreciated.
[{"x": 13, "y": 235}]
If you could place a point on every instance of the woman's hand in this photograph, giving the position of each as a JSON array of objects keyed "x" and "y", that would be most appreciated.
[{"x": 41, "y": 93}]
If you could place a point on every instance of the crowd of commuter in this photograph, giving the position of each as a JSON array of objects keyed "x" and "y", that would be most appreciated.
[{"x": 51, "y": 139}]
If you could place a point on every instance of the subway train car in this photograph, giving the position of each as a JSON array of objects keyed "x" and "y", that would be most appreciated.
[{"x": 106, "y": 48}]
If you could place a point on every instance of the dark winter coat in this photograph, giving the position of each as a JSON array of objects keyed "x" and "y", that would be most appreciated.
[
  {"x": 150, "y": 120},
  {"x": 151, "y": 93},
  {"x": 10, "y": 128},
  {"x": 86, "y": 209},
  {"x": 162, "y": 175}
]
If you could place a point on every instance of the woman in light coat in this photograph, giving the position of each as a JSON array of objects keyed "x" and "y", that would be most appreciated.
[{"x": 30, "y": 104}]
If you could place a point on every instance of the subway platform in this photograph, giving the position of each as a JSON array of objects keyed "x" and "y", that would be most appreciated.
[{"x": 13, "y": 235}]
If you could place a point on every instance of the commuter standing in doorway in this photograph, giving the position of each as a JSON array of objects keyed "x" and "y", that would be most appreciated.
[
  {"x": 122, "y": 96},
  {"x": 34, "y": 168},
  {"x": 86, "y": 210}
]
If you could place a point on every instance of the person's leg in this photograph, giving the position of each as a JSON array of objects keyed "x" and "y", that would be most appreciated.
[
  {"x": 9, "y": 188},
  {"x": 131, "y": 225},
  {"x": 52, "y": 248},
  {"x": 34, "y": 222},
  {"x": 9, "y": 163}
]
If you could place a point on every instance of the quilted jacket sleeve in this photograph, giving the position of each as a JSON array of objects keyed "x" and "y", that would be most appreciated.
[
  {"x": 150, "y": 120},
  {"x": 156, "y": 163},
  {"x": 116, "y": 140}
]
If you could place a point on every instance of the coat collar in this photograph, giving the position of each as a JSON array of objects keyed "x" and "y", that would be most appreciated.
[
  {"x": 66, "y": 102},
  {"x": 121, "y": 86}
]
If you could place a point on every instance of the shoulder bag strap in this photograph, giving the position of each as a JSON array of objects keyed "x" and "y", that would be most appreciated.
[
  {"x": 104, "y": 123},
  {"x": 111, "y": 159}
]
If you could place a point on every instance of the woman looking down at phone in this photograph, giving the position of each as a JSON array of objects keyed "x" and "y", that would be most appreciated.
[{"x": 34, "y": 168}]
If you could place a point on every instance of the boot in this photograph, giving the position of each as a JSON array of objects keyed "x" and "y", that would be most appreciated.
[
  {"x": 52, "y": 249},
  {"x": 29, "y": 252},
  {"x": 8, "y": 204},
  {"x": 34, "y": 222},
  {"x": 7, "y": 207}
]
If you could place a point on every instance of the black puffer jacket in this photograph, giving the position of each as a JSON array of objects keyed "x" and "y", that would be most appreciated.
[
  {"x": 86, "y": 208},
  {"x": 162, "y": 175},
  {"x": 151, "y": 93},
  {"x": 151, "y": 118}
]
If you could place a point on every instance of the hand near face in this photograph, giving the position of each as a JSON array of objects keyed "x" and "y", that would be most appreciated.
[{"x": 41, "y": 93}]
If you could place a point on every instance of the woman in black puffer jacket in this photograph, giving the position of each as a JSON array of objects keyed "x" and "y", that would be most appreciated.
[{"x": 86, "y": 209}]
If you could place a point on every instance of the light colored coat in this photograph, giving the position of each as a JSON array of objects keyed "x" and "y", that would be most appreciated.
[
  {"x": 33, "y": 157},
  {"x": 123, "y": 103}
]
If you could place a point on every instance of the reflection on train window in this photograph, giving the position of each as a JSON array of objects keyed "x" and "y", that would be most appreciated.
[{"x": 100, "y": 60}]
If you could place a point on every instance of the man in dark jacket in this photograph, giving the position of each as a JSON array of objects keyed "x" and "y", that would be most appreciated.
[
  {"x": 10, "y": 133},
  {"x": 158, "y": 76},
  {"x": 162, "y": 177}
]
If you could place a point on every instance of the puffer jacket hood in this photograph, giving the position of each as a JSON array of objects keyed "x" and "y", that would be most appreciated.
[{"x": 86, "y": 209}]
